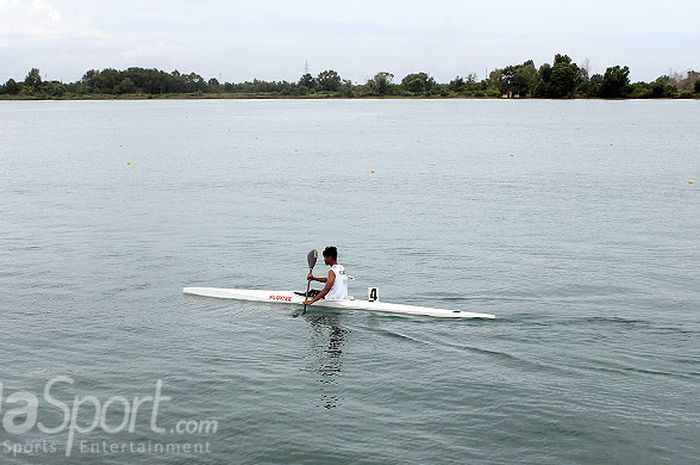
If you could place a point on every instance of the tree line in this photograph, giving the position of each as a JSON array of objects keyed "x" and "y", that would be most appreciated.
[{"x": 561, "y": 79}]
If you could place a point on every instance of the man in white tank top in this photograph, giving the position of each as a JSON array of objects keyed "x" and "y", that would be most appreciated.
[{"x": 336, "y": 287}]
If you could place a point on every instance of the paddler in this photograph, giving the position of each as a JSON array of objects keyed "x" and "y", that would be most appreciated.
[{"x": 336, "y": 287}]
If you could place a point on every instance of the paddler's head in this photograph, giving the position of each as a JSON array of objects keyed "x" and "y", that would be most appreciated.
[{"x": 330, "y": 255}]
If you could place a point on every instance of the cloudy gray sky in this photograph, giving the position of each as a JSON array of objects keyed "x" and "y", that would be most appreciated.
[{"x": 240, "y": 40}]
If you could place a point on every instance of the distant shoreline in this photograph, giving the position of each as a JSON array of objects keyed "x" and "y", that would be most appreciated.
[
  {"x": 238, "y": 96},
  {"x": 563, "y": 79}
]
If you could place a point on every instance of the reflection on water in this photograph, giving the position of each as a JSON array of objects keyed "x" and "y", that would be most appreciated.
[{"x": 326, "y": 351}]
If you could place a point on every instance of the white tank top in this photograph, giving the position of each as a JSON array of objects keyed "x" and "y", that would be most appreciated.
[{"x": 339, "y": 291}]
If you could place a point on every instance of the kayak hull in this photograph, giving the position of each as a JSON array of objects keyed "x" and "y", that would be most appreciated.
[{"x": 289, "y": 297}]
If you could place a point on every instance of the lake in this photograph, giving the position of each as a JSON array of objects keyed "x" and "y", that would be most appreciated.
[{"x": 574, "y": 222}]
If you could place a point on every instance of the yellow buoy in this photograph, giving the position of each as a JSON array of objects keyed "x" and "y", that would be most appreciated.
[
  {"x": 372, "y": 171},
  {"x": 691, "y": 181},
  {"x": 128, "y": 163}
]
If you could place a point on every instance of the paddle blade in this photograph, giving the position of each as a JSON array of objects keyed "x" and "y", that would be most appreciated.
[{"x": 311, "y": 258}]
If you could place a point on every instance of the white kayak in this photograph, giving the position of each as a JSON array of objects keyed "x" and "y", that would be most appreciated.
[{"x": 289, "y": 297}]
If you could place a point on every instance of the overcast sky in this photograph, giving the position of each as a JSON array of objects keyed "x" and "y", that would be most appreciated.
[{"x": 240, "y": 40}]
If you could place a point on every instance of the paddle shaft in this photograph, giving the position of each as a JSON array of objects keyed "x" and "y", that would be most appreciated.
[
  {"x": 311, "y": 261},
  {"x": 308, "y": 286}
]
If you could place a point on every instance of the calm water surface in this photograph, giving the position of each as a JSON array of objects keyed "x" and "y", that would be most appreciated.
[{"x": 574, "y": 222}]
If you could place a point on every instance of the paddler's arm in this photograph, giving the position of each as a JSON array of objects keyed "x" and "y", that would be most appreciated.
[
  {"x": 311, "y": 277},
  {"x": 329, "y": 284}
]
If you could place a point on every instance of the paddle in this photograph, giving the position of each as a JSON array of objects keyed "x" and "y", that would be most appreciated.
[{"x": 311, "y": 261}]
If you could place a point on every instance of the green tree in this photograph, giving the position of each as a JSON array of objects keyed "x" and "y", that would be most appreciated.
[
  {"x": 33, "y": 80},
  {"x": 214, "y": 85},
  {"x": 329, "y": 81},
  {"x": 102, "y": 82},
  {"x": 126, "y": 86},
  {"x": 457, "y": 84},
  {"x": 524, "y": 79},
  {"x": 12, "y": 87},
  {"x": 615, "y": 82},
  {"x": 544, "y": 75},
  {"x": 418, "y": 83},
  {"x": 696, "y": 87},
  {"x": 639, "y": 90},
  {"x": 55, "y": 89},
  {"x": 501, "y": 78},
  {"x": 563, "y": 77},
  {"x": 380, "y": 84},
  {"x": 518, "y": 80},
  {"x": 193, "y": 81},
  {"x": 662, "y": 88},
  {"x": 471, "y": 86},
  {"x": 307, "y": 83},
  {"x": 346, "y": 89},
  {"x": 494, "y": 79},
  {"x": 558, "y": 80},
  {"x": 591, "y": 87}
]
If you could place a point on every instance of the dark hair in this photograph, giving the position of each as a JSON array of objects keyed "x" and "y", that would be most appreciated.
[{"x": 330, "y": 251}]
